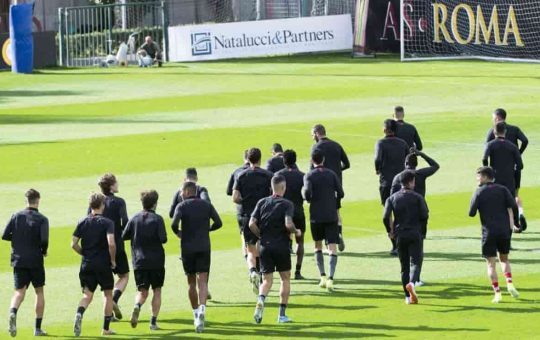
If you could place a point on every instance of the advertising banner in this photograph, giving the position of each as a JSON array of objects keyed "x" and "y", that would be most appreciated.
[{"x": 260, "y": 38}]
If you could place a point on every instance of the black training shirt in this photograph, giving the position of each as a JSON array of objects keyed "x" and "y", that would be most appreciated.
[
  {"x": 390, "y": 153},
  {"x": 409, "y": 134},
  {"x": 253, "y": 184},
  {"x": 335, "y": 157},
  {"x": 410, "y": 211},
  {"x": 116, "y": 211},
  {"x": 230, "y": 185},
  {"x": 322, "y": 188},
  {"x": 202, "y": 193},
  {"x": 28, "y": 231},
  {"x": 294, "y": 180},
  {"x": 513, "y": 135},
  {"x": 492, "y": 201},
  {"x": 195, "y": 215},
  {"x": 93, "y": 231},
  {"x": 505, "y": 158},
  {"x": 275, "y": 163},
  {"x": 146, "y": 230},
  {"x": 420, "y": 176},
  {"x": 270, "y": 213}
]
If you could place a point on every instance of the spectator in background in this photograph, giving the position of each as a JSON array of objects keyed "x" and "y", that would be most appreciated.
[{"x": 149, "y": 53}]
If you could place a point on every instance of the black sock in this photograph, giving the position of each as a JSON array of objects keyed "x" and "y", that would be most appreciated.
[
  {"x": 282, "y": 308},
  {"x": 298, "y": 268},
  {"x": 258, "y": 264},
  {"x": 80, "y": 310},
  {"x": 13, "y": 310},
  {"x": 107, "y": 322},
  {"x": 138, "y": 305},
  {"x": 154, "y": 320},
  {"x": 116, "y": 295},
  {"x": 38, "y": 323},
  {"x": 252, "y": 269}
]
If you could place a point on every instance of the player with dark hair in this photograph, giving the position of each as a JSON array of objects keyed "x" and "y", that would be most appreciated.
[
  {"x": 516, "y": 136},
  {"x": 252, "y": 185},
  {"x": 28, "y": 232},
  {"x": 505, "y": 159},
  {"x": 116, "y": 211},
  {"x": 406, "y": 131},
  {"x": 272, "y": 222},
  {"x": 323, "y": 190},
  {"x": 420, "y": 175},
  {"x": 294, "y": 182},
  {"x": 230, "y": 185},
  {"x": 390, "y": 153},
  {"x": 98, "y": 250},
  {"x": 202, "y": 192},
  {"x": 496, "y": 207},
  {"x": 275, "y": 163},
  {"x": 146, "y": 230},
  {"x": 195, "y": 214},
  {"x": 336, "y": 160},
  {"x": 409, "y": 211}
]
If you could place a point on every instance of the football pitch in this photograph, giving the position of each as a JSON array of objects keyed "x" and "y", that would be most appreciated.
[{"x": 61, "y": 129}]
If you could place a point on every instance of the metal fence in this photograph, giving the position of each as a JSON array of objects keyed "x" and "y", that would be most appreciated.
[{"x": 87, "y": 35}]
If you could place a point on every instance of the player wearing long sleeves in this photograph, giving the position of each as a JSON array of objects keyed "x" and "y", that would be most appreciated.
[
  {"x": 191, "y": 223},
  {"x": 496, "y": 207},
  {"x": 322, "y": 190},
  {"x": 252, "y": 185},
  {"x": 516, "y": 136},
  {"x": 390, "y": 153},
  {"x": 146, "y": 230},
  {"x": 336, "y": 159},
  {"x": 404, "y": 214},
  {"x": 202, "y": 192},
  {"x": 406, "y": 131},
  {"x": 505, "y": 159},
  {"x": 28, "y": 233},
  {"x": 420, "y": 176}
]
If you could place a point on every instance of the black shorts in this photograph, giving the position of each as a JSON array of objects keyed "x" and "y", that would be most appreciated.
[
  {"x": 91, "y": 278},
  {"x": 385, "y": 193},
  {"x": 299, "y": 221},
  {"x": 249, "y": 237},
  {"x": 325, "y": 231},
  {"x": 122, "y": 264},
  {"x": 517, "y": 178},
  {"x": 146, "y": 278},
  {"x": 493, "y": 244},
  {"x": 24, "y": 276},
  {"x": 275, "y": 258},
  {"x": 195, "y": 263},
  {"x": 338, "y": 203}
]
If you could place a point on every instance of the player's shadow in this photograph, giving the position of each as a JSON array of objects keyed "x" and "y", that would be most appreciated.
[
  {"x": 468, "y": 257},
  {"x": 495, "y": 308},
  {"x": 374, "y": 255}
]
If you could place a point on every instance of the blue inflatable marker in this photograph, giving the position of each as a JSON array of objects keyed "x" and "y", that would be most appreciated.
[{"x": 20, "y": 34}]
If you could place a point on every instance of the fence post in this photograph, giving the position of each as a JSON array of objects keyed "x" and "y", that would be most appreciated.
[
  {"x": 110, "y": 24},
  {"x": 60, "y": 37},
  {"x": 165, "y": 27}
]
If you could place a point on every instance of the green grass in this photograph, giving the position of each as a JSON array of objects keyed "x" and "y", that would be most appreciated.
[{"x": 61, "y": 129}]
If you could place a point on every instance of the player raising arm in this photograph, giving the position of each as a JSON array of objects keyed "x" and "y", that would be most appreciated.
[{"x": 495, "y": 205}]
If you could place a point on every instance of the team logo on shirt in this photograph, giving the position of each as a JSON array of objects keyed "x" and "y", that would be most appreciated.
[{"x": 201, "y": 43}]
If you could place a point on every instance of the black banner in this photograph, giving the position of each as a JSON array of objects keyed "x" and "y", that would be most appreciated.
[{"x": 44, "y": 50}]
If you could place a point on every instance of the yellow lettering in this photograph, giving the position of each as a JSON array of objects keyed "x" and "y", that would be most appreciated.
[
  {"x": 455, "y": 28},
  {"x": 439, "y": 23},
  {"x": 482, "y": 30},
  {"x": 512, "y": 27}
]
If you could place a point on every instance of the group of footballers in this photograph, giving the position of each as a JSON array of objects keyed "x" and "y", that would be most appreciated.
[{"x": 270, "y": 214}]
